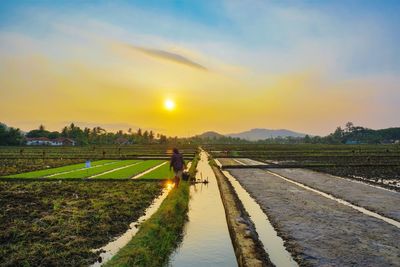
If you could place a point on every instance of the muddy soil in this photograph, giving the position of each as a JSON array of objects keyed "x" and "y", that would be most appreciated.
[
  {"x": 319, "y": 231},
  {"x": 381, "y": 175},
  {"x": 250, "y": 162},
  {"x": 379, "y": 200},
  {"x": 59, "y": 223}
]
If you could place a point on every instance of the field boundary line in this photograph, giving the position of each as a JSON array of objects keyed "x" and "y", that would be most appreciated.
[
  {"x": 149, "y": 170},
  {"x": 238, "y": 161},
  {"x": 116, "y": 169},
  {"x": 54, "y": 174},
  {"x": 339, "y": 200}
]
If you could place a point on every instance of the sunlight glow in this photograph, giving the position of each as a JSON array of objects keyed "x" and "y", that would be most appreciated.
[
  {"x": 169, "y": 186},
  {"x": 169, "y": 104}
]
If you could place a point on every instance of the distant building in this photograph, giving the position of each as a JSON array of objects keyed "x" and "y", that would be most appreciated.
[
  {"x": 352, "y": 142},
  {"x": 122, "y": 141},
  {"x": 44, "y": 141}
]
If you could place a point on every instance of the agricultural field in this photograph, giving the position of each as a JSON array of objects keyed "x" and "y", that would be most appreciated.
[
  {"x": 103, "y": 169},
  {"x": 63, "y": 215},
  {"x": 60, "y": 223},
  {"x": 131, "y": 171},
  {"x": 94, "y": 152},
  {"x": 372, "y": 163},
  {"x": 53, "y": 171},
  {"x": 15, "y": 165}
]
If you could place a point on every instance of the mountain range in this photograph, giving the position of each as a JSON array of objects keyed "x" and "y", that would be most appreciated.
[{"x": 254, "y": 134}]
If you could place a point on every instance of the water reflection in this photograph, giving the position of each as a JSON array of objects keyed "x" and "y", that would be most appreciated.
[{"x": 206, "y": 241}]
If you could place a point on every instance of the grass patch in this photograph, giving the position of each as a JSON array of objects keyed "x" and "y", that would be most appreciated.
[
  {"x": 131, "y": 171},
  {"x": 59, "y": 223},
  {"x": 46, "y": 172}
]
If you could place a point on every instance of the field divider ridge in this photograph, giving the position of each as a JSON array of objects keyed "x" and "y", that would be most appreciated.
[{"x": 149, "y": 170}]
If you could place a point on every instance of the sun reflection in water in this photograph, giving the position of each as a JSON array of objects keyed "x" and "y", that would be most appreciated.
[{"x": 169, "y": 185}]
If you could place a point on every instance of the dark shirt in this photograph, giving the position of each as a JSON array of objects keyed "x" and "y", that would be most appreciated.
[{"x": 177, "y": 162}]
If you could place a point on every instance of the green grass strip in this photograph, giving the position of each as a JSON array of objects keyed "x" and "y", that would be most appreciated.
[
  {"x": 93, "y": 171},
  {"x": 130, "y": 171},
  {"x": 158, "y": 236},
  {"x": 46, "y": 172}
]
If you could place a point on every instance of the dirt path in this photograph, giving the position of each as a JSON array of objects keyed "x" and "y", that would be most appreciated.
[
  {"x": 319, "y": 231},
  {"x": 382, "y": 201}
]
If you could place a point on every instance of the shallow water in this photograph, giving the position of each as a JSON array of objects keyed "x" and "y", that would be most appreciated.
[
  {"x": 206, "y": 241},
  {"x": 273, "y": 244}
]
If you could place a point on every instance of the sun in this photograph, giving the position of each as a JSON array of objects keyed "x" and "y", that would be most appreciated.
[{"x": 169, "y": 104}]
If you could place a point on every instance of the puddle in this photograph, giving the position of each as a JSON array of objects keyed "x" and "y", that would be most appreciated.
[
  {"x": 273, "y": 244},
  {"x": 206, "y": 241},
  {"x": 341, "y": 201},
  {"x": 114, "y": 246}
]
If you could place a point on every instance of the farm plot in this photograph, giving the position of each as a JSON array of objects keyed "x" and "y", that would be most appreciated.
[
  {"x": 52, "y": 171},
  {"x": 379, "y": 200},
  {"x": 131, "y": 171},
  {"x": 163, "y": 172},
  {"x": 22, "y": 165},
  {"x": 378, "y": 164},
  {"x": 85, "y": 173},
  {"x": 320, "y": 231},
  {"x": 60, "y": 224}
]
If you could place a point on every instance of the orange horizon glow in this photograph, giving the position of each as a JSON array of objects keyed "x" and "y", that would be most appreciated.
[{"x": 140, "y": 67}]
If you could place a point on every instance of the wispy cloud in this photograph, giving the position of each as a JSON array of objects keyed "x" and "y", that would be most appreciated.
[{"x": 174, "y": 57}]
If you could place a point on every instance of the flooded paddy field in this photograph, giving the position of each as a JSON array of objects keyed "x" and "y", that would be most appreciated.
[
  {"x": 319, "y": 231},
  {"x": 379, "y": 200},
  {"x": 60, "y": 223},
  {"x": 377, "y": 164}
]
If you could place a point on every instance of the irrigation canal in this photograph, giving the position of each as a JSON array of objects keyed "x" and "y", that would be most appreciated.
[{"x": 206, "y": 240}]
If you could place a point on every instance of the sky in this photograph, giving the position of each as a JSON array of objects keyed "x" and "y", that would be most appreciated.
[{"x": 229, "y": 66}]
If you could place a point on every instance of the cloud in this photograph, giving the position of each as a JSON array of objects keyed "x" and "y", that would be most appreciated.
[{"x": 169, "y": 56}]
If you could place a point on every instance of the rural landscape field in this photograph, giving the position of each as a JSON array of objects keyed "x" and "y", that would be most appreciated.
[{"x": 190, "y": 133}]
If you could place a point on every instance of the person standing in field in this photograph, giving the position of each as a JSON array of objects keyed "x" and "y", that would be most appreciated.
[{"x": 178, "y": 165}]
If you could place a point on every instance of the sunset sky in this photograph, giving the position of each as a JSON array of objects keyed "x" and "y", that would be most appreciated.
[{"x": 228, "y": 66}]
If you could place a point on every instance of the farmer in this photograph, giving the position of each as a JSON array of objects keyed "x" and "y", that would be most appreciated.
[{"x": 178, "y": 164}]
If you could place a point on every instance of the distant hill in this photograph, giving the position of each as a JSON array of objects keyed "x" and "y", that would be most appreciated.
[
  {"x": 210, "y": 135},
  {"x": 253, "y": 134},
  {"x": 261, "y": 134}
]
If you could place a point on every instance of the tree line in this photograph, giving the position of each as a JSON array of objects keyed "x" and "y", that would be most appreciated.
[
  {"x": 350, "y": 134},
  {"x": 85, "y": 136}
]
